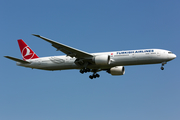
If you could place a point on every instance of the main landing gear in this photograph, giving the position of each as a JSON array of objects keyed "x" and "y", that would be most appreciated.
[
  {"x": 85, "y": 70},
  {"x": 162, "y": 68},
  {"x": 94, "y": 75}
]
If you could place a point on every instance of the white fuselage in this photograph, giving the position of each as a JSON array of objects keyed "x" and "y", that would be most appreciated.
[{"x": 117, "y": 58}]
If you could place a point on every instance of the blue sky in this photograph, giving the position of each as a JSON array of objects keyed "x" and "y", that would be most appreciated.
[{"x": 143, "y": 93}]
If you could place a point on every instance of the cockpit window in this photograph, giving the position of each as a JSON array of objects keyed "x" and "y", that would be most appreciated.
[{"x": 170, "y": 53}]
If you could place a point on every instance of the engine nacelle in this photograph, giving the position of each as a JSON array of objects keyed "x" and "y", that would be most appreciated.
[
  {"x": 118, "y": 70},
  {"x": 102, "y": 60}
]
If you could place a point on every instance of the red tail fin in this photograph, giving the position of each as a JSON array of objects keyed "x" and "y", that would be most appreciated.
[{"x": 26, "y": 51}]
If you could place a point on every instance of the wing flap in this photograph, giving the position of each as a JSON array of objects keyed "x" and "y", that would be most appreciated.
[
  {"x": 17, "y": 60},
  {"x": 69, "y": 51}
]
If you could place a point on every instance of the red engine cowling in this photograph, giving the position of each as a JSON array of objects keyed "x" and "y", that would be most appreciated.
[
  {"x": 102, "y": 60},
  {"x": 118, "y": 70}
]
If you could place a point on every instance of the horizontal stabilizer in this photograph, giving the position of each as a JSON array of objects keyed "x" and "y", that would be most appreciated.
[{"x": 17, "y": 60}]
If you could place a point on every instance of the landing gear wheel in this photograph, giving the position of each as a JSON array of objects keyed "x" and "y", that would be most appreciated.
[
  {"x": 88, "y": 70},
  {"x": 97, "y": 75},
  {"x": 94, "y": 76},
  {"x": 91, "y": 77},
  {"x": 85, "y": 71},
  {"x": 162, "y": 68},
  {"x": 163, "y": 63},
  {"x": 81, "y": 71}
]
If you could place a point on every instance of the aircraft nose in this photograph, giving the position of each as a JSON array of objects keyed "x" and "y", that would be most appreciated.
[{"x": 174, "y": 56}]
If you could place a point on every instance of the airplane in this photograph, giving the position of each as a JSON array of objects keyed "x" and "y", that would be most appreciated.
[{"x": 111, "y": 62}]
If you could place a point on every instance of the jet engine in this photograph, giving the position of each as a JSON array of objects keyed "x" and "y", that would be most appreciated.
[
  {"x": 102, "y": 60},
  {"x": 118, "y": 70}
]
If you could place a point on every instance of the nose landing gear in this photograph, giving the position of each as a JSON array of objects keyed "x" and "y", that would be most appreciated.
[{"x": 162, "y": 68}]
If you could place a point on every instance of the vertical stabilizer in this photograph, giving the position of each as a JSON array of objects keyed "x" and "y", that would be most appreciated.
[{"x": 26, "y": 51}]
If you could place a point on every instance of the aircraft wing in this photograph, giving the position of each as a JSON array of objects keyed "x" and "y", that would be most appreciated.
[
  {"x": 17, "y": 60},
  {"x": 69, "y": 51}
]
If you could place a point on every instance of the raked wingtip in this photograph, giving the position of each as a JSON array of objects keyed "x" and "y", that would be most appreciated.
[{"x": 36, "y": 35}]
